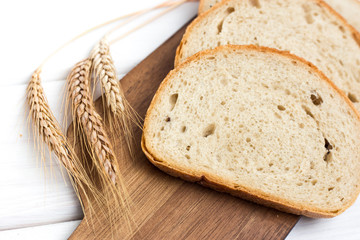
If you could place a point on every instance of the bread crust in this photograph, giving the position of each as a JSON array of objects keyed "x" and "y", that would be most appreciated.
[
  {"x": 201, "y": 8},
  {"x": 354, "y": 32},
  {"x": 222, "y": 185}
]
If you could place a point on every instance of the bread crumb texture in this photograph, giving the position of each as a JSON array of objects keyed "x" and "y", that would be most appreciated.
[
  {"x": 262, "y": 121},
  {"x": 308, "y": 29}
]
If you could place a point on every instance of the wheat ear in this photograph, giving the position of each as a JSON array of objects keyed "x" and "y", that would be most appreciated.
[
  {"x": 88, "y": 122},
  {"x": 48, "y": 129},
  {"x": 120, "y": 111}
]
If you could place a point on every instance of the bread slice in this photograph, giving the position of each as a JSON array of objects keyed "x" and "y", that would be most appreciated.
[
  {"x": 260, "y": 124},
  {"x": 307, "y": 28},
  {"x": 349, "y": 9}
]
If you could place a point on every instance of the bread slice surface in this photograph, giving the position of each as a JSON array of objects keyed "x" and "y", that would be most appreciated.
[
  {"x": 307, "y": 28},
  {"x": 349, "y": 9},
  {"x": 260, "y": 124}
]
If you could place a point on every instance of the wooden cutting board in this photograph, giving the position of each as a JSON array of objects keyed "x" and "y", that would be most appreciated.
[{"x": 165, "y": 207}]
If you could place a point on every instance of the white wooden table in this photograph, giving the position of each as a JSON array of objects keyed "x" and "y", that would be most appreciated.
[{"x": 40, "y": 205}]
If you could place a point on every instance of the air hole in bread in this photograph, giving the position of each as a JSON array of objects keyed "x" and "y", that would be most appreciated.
[
  {"x": 299, "y": 184},
  {"x": 220, "y": 26},
  {"x": 271, "y": 164},
  {"x": 183, "y": 129},
  {"x": 301, "y": 125},
  {"x": 248, "y": 139},
  {"x": 314, "y": 182},
  {"x": 328, "y": 154},
  {"x": 308, "y": 112},
  {"x": 277, "y": 115},
  {"x": 162, "y": 128},
  {"x": 338, "y": 179},
  {"x": 287, "y": 169},
  {"x": 259, "y": 169},
  {"x": 230, "y": 10},
  {"x": 224, "y": 81},
  {"x": 201, "y": 98},
  {"x": 312, "y": 165},
  {"x": 328, "y": 146},
  {"x": 223, "y": 103},
  {"x": 342, "y": 29},
  {"x": 316, "y": 98},
  {"x": 210, "y": 58},
  {"x": 341, "y": 62},
  {"x": 281, "y": 107},
  {"x": 167, "y": 119},
  {"x": 187, "y": 156},
  {"x": 331, "y": 188},
  {"x": 173, "y": 99},
  {"x": 264, "y": 85},
  {"x": 188, "y": 148},
  {"x": 308, "y": 17},
  {"x": 352, "y": 97},
  {"x": 255, "y": 3},
  {"x": 209, "y": 130}
]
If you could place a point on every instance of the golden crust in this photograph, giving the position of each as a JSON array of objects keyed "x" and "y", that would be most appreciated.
[
  {"x": 222, "y": 184},
  {"x": 202, "y": 7},
  {"x": 354, "y": 32}
]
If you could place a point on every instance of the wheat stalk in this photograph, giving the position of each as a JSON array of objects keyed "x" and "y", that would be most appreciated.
[
  {"x": 49, "y": 131},
  {"x": 88, "y": 122},
  {"x": 105, "y": 72}
]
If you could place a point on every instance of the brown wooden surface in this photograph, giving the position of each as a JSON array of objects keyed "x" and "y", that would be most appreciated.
[{"x": 165, "y": 207}]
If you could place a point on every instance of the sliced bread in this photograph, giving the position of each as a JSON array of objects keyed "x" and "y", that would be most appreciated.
[
  {"x": 349, "y": 9},
  {"x": 260, "y": 124},
  {"x": 308, "y": 28}
]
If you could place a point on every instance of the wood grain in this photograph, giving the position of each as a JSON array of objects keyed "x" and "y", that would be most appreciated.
[{"x": 165, "y": 207}]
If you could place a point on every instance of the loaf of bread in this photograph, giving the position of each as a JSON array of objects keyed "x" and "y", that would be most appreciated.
[
  {"x": 307, "y": 28},
  {"x": 349, "y": 9},
  {"x": 260, "y": 124}
]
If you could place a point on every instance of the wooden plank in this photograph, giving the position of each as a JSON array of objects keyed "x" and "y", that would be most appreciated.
[{"x": 169, "y": 208}]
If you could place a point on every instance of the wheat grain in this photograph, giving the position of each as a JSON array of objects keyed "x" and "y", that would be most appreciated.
[
  {"x": 46, "y": 124},
  {"x": 105, "y": 72},
  {"x": 48, "y": 129},
  {"x": 98, "y": 145},
  {"x": 89, "y": 119}
]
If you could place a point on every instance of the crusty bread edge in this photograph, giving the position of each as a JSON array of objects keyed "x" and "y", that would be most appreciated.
[
  {"x": 201, "y": 8},
  {"x": 226, "y": 186},
  {"x": 354, "y": 32}
]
